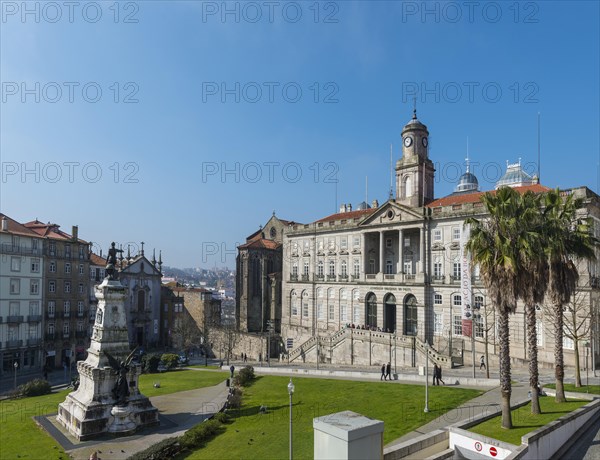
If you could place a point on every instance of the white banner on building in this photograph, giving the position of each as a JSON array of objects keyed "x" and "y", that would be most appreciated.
[{"x": 465, "y": 282}]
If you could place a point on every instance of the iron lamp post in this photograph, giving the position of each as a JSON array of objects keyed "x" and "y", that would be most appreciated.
[
  {"x": 426, "y": 377},
  {"x": 290, "y": 388},
  {"x": 16, "y": 366}
]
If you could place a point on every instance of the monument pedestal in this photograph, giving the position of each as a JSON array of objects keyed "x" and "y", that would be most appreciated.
[{"x": 92, "y": 410}]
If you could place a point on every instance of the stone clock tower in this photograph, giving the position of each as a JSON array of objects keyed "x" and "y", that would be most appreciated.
[{"x": 414, "y": 171}]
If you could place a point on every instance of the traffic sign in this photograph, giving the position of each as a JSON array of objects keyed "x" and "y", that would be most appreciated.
[
  {"x": 478, "y": 446},
  {"x": 493, "y": 451}
]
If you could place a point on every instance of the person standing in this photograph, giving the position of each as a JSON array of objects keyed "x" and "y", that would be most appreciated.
[
  {"x": 382, "y": 372},
  {"x": 388, "y": 371},
  {"x": 232, "y": 369},
  {"x": 482, "y": 362},
  {"x": 439, "y": 375},
  {"x": 435, "y": 374}
]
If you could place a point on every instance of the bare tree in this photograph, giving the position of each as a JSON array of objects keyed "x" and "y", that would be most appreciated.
[
  {"x": 227, "y": 337},
  {"x": 186, "y": 333}
]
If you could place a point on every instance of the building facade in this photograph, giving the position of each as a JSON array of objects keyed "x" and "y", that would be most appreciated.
[
  {"x": 21, "y": 287},
  {"x": 65, "y": 294},
  {"x": 392, "y": 273}
]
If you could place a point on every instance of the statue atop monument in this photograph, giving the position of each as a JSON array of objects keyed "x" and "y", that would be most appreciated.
[
  {"x": 111, "y": 262},
  {"x": 121, "y": 389}
]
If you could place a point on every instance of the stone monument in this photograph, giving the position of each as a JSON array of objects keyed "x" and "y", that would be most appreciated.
[{"x": 108, "y": 399}]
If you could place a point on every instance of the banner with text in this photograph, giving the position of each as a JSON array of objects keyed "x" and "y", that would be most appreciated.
[{"x": 465, "y": 283}]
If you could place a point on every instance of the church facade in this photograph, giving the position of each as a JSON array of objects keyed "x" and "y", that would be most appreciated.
[{"x": 373, "y": 284}]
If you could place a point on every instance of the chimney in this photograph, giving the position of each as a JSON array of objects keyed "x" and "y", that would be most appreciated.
[
  {"x": 75, "y": 232},
  {"x": 4, "y": 224},
  {"x": 375, "y": 204},
  {"x": 342, "y": 208},
  {"x": 349, "y": 207}
]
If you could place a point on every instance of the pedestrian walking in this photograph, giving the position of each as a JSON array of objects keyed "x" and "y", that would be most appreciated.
[
  {"x": 382, "y": 372},
  {"x": 435, "y": 374},
  {"x": 388, "y": 371},
  {"x": 439, "y": 376},
  {"x": 232, "y": 369},
  {"x": 482, "y": 362}
]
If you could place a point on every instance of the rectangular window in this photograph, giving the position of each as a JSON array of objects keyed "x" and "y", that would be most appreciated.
[
  {"x": 52, "y": 286},
  {"x": 306, "y": 268},
  {"x": 51, "y": 308},
  {"x": 52, "y": 267},
  {"x": 356, "y": 241},
  {"x": 35, "y": 265},
  {"x": 356, "y": 314},
  {"x": 66, "y": 329},
  {"x": 68, "y": 251},
  {"x": 407, "y": 241},
  {"x": 305, "y": 308},
  {"x": 388, "y": 242},
  {"x": 34, "y": 246},
  {"x": 80, "y": 288},
  {"x": 568, "y": 343},
  {"x": 81, "y": 269},
  {"x": 34, "y": 287},
  {"x": 32, "y": 332},
  {"x": 371, "y": 266},
  {"x": 15, "y": 264},
  {"x": 343, "y": 313},
  {"x": 320, "y": 269},
  {"x": 455, "y": 233},
  {"x": 456, "y": 269},
  {"x": 331, "y": 312},
  {"x": 294, "y": 306},
  {"x": 331, "y": 268},
  {"x": 344, "y": 269},
  {"x": 437, "y": 299},
  {"x": 81, "y": 252},
  {"x": 67, "y": 268},
  {"x": 437, "y": 235},
  {"x": 320, "y": 313},
  {"x": 67, "y": 287},
  {"x": 437, "y": 270},
  {"x": 457, "y": 325},
  {"x": 80, "y": 307},
  {"x": 478, "y": 324},
  {"x": 344, "y": 243},
  {"x": 15, "y": 286},
  {"x": 437, "y": 323},
  {"x": 14, "y": 308},
  {"x": 13, "y": 333},
  {"x": 320, "y": 245},
  {"x": 79, "y": 326},
  {"x": 34, "y": 308},
  {"x": 51, "y": 328},
  {"x": 67, "y": 308},
  {"x": 356, "y": 267},
  {"x": 457, "y": 300},
  {"x": 389, "y": 267},
  {"x": 52, "y": 248}
]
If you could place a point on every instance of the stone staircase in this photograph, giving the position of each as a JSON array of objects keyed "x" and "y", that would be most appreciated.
[{"x": 384, "y": 338}]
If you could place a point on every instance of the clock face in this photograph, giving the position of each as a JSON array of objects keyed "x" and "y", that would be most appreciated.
[
  {"x": 425, "y": 142},
  {"x": 407, "y": 141}
]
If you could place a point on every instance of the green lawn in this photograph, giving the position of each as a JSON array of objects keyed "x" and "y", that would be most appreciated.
[
  {"x": 20, "y": 436},
  {"x": 595, "y": 389},
  {"x": 179, "y": 380},
  {"x": 524, "y": 422},
  {"x": 254, "y": 435}
]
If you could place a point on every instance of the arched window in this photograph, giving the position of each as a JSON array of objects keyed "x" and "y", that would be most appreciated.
[
  {"x": 389, "y": 313},
  {"x": 305, "y": 304},
  {"x": 371, "y": 310},
  {"x": 294, "y": 303},
  {"x": 408, "y": 191},
  {"x": 410, "y": 315}
]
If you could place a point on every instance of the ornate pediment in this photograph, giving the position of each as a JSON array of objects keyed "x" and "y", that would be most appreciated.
[{"x": 392, "y": 213}]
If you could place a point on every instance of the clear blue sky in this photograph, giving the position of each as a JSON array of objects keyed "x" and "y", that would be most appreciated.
[{"x": 357, "y": 65}]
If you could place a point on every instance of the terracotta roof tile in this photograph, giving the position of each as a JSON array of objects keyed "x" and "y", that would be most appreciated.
[
  {"x": 17, "y": 228},
  {"x": 348, "y": 215},
  {"x": 260, "y": 244},
  {"x": 95, "y": 259},
  {"x": 475, "y": 197},
  {"x": 50, "y": 230}
]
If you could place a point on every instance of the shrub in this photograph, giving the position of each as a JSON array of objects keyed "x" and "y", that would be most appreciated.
[
  {"x": 244, "y": 377},
  {"x": 234, "y": 399},
  {"x": 170, "y": 360},
  {"x": 167, "y": 448},
  {"x": 200, "y": 434},
  {"x": 36, "y": 387},
  {"x": 222, "y": 417},
  {"x": 150, "y": 363}
]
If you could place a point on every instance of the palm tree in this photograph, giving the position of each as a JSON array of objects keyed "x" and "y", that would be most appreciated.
[
  {"x": 534, "y": 280},
  {"x": 567, "y": 237},
  {"x": 494, "y": 245}
]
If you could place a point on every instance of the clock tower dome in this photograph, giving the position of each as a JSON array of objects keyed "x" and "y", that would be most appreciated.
[{"x": 414, "y": 171}]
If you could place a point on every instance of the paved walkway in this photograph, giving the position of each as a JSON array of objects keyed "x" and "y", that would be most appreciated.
[{"x": 178, "y": 412}]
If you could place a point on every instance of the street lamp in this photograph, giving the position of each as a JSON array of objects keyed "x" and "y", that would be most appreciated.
[
  {"x": 426, "y": 377},
  {"x": 291, "y": 392},
  {"x": 16, "y": 366}
]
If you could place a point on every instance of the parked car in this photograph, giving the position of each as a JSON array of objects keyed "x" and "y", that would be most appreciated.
[
  {"x": 183, "y": 359},
  {"x": 162, "y": 368}
]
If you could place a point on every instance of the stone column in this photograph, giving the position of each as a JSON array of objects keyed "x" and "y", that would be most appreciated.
[
  {"x": 422, "y": 250},
  {"x": 381, "y": 252},
  {"x": 401, "y": 251}
]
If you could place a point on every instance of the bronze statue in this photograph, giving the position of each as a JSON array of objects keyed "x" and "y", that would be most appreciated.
[
  {"x": 111, "y": 262},
  {"x": 121, "y": 389}
]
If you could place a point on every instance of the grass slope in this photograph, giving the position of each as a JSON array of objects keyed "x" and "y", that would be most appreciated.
[
  {"x": 524, "y": 422},
  {"x": 20, "y": 437},
  {"x": 595, "y": 389},
  {"x": 254, "y": 435}
]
